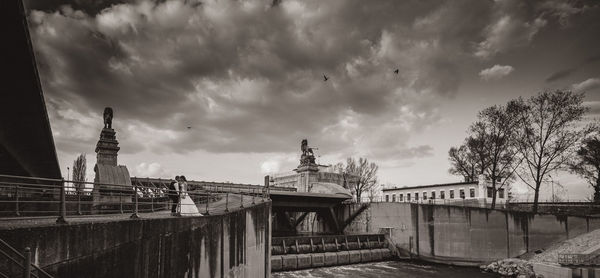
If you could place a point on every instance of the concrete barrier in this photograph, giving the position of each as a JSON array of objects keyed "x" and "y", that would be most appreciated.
[
  {"x": 386, "y": 253},
  {"x": 377, "y": 254},
  {"x": 552, "y": 271},
  {"x": 343, "y": 257},
  {"x": 354, "y": 256},
  {"x": 318, "y": 259},
  {"x": 236, "y": 244},
  {"x": 290, "y": 262},
  {"x": 276, "y": 263},
  {"x": 331, "y": 258},
  {"x": 365, "y": 256},
  {"x": 304, "y": 261}
]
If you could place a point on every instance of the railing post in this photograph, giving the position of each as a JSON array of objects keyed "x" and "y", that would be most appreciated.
[
  {"x": 62, "y": 206},
  {"x": 227, "y": 201},
  {"x": 79, "y": 202},
  {"x": 27, "y": 263},
  {"x": 17, "y": 213},
  {"x": 263, "y": 193},
  {"x": 135, "y": 207},
  {"x": 242, "y": 199},
  {"x": 253, "y": 197},
  {"x": 207, "y": 201},
  {"x": 121, "y": 201}
]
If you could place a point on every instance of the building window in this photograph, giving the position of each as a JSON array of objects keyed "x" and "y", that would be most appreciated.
[
  {"x": 432, "y": 195},
  {"x": 442, "y": 194},
  {"x": 401, "y": 197},
  {"x": 416, "y": 196},
  {"x": 408, "y": 197},
  {"x": 387, "y": 198},
  {"x": 393, "y": 197},
  {"x": 462, "y": 193},
  {"x": 472, "y": 192},
  {"x": 451, "y": 193},
  {"x": 490, "y": 192},
  {"x": 501, "y": 193},
  {"x": 424, "y": 195}
]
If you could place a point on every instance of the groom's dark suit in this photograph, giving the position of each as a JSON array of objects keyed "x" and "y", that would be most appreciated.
[{"x": 174, "y": 195}]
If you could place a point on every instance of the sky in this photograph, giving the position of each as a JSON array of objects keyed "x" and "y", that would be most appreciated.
[{"x": 226, "y": 90}]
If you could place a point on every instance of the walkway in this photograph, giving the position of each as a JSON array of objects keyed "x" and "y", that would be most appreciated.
[{"x": 215, "y": 208}]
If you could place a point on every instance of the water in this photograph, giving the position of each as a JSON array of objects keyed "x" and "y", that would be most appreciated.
[{"x": 387, "y": 269}]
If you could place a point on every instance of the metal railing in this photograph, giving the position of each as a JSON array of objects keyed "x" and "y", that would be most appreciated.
[
  {"x": 18, "y": 264},
  {"x": 464, "y": 202},
  {"x": 579, "y": 259},
  {"x": 42, "y": 197}
]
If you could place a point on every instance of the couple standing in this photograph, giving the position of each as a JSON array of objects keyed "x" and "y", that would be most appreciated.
[{"x": 183, "y": 205}]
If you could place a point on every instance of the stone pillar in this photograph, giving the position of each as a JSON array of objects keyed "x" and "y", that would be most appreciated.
[
  {"x": 107, "y": 147},
  {"x": 112, "y": 181}
]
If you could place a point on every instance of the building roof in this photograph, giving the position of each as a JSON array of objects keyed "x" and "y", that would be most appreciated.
[{"x": 431, "y": 185}]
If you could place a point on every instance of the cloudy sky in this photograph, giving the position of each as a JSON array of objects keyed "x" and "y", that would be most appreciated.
[{"x": 246, "y": 77}]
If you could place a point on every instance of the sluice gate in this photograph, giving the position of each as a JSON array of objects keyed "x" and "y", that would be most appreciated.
[{"x": 300, "y": 252}]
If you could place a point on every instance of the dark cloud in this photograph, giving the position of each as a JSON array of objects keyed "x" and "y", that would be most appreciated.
[
  {"x": 568, "y": 72},
  {"x": 246, "y": 75}
]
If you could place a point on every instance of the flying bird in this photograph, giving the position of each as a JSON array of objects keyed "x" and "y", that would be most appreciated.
[
  {"x": 325, "y": 78},
  {"x": 189, "y": 127},
  {"x": 396, "y": 71}
]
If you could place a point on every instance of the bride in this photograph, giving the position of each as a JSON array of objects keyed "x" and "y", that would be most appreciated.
[{"x": 187, "y": 207}]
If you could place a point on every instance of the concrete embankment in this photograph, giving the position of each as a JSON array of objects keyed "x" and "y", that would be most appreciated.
[
  {"x": 293, "y": 253},
  {"x": 235, "y": 244},
  {"x": 465, "y": 235}
]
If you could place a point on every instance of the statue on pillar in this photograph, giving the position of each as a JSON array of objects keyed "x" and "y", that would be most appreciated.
[
  {"x": 108, "y": 115},
  {"x": 308, "y": 155}
]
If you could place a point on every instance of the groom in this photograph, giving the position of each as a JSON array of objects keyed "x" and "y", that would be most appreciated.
[{"x": 174, "y": 195}]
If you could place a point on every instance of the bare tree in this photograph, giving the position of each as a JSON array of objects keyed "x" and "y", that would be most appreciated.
[
  {"x": 547, "y": 134},
  {"x": 363, "y": 172},
  {"x": 79, "y": 169},
  {"x": 587, "y": 164},
  {"x": 463, "y": 162},
  {"x": 496, "y": 126}
]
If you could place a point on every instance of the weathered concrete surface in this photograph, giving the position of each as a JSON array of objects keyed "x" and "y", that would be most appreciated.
[
  {"x": 290, "y": 262},
  {"x": 304, "y": 261},
  {"x": 354, "y": 256},
  {"x": 231, "y": 245},
  {"x": 276, "y": 262},
  {"x": 318, "y": 259},
  {"x": 343, "y": 257},
  {"x": 331, "y": 258},
  {"x": 465, "y": 235}
]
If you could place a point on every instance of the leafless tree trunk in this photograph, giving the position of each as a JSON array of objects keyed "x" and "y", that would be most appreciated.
[{"x": 363, "y": 172}]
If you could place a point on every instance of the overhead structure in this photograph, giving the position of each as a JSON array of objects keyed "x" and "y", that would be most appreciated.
[{"x": 26, "y": 142}]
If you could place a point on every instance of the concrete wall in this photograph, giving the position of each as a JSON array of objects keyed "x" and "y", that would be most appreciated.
[
  {"x": 466, "y": 235},
  {"x": 237, "y": 244}
]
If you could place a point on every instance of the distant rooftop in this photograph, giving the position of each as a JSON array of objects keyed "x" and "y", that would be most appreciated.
[{"x": 431, "y": 185}]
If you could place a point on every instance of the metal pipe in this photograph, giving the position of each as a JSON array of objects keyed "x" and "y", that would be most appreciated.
[
  {"x": 207, "y": 201},
  {"x": 17, "y": 213},
  {"x": 27, "y": 263},
  {"x": 135, "y": 208}
]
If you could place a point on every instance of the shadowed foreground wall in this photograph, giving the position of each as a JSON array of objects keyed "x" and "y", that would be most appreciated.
[
  {"x": 237, "y": 244},
  {"x": 466, "y": 235}
]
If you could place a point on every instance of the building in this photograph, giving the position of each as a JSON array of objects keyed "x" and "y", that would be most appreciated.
[{"x": 477, "y": 193}]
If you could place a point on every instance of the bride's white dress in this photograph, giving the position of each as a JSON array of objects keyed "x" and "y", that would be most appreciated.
[{"x": 187, "y": 207}]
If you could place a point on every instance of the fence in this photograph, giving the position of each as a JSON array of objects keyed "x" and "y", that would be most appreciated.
[
  {"x": 42, "y": 197},
  {"x": 465, "y": 202},
  {"x": 17, "y": 264},
  {"x": 579, "y": 259}
]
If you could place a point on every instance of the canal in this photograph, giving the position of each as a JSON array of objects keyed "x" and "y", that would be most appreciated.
[{"x": 389, "y": 269}]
